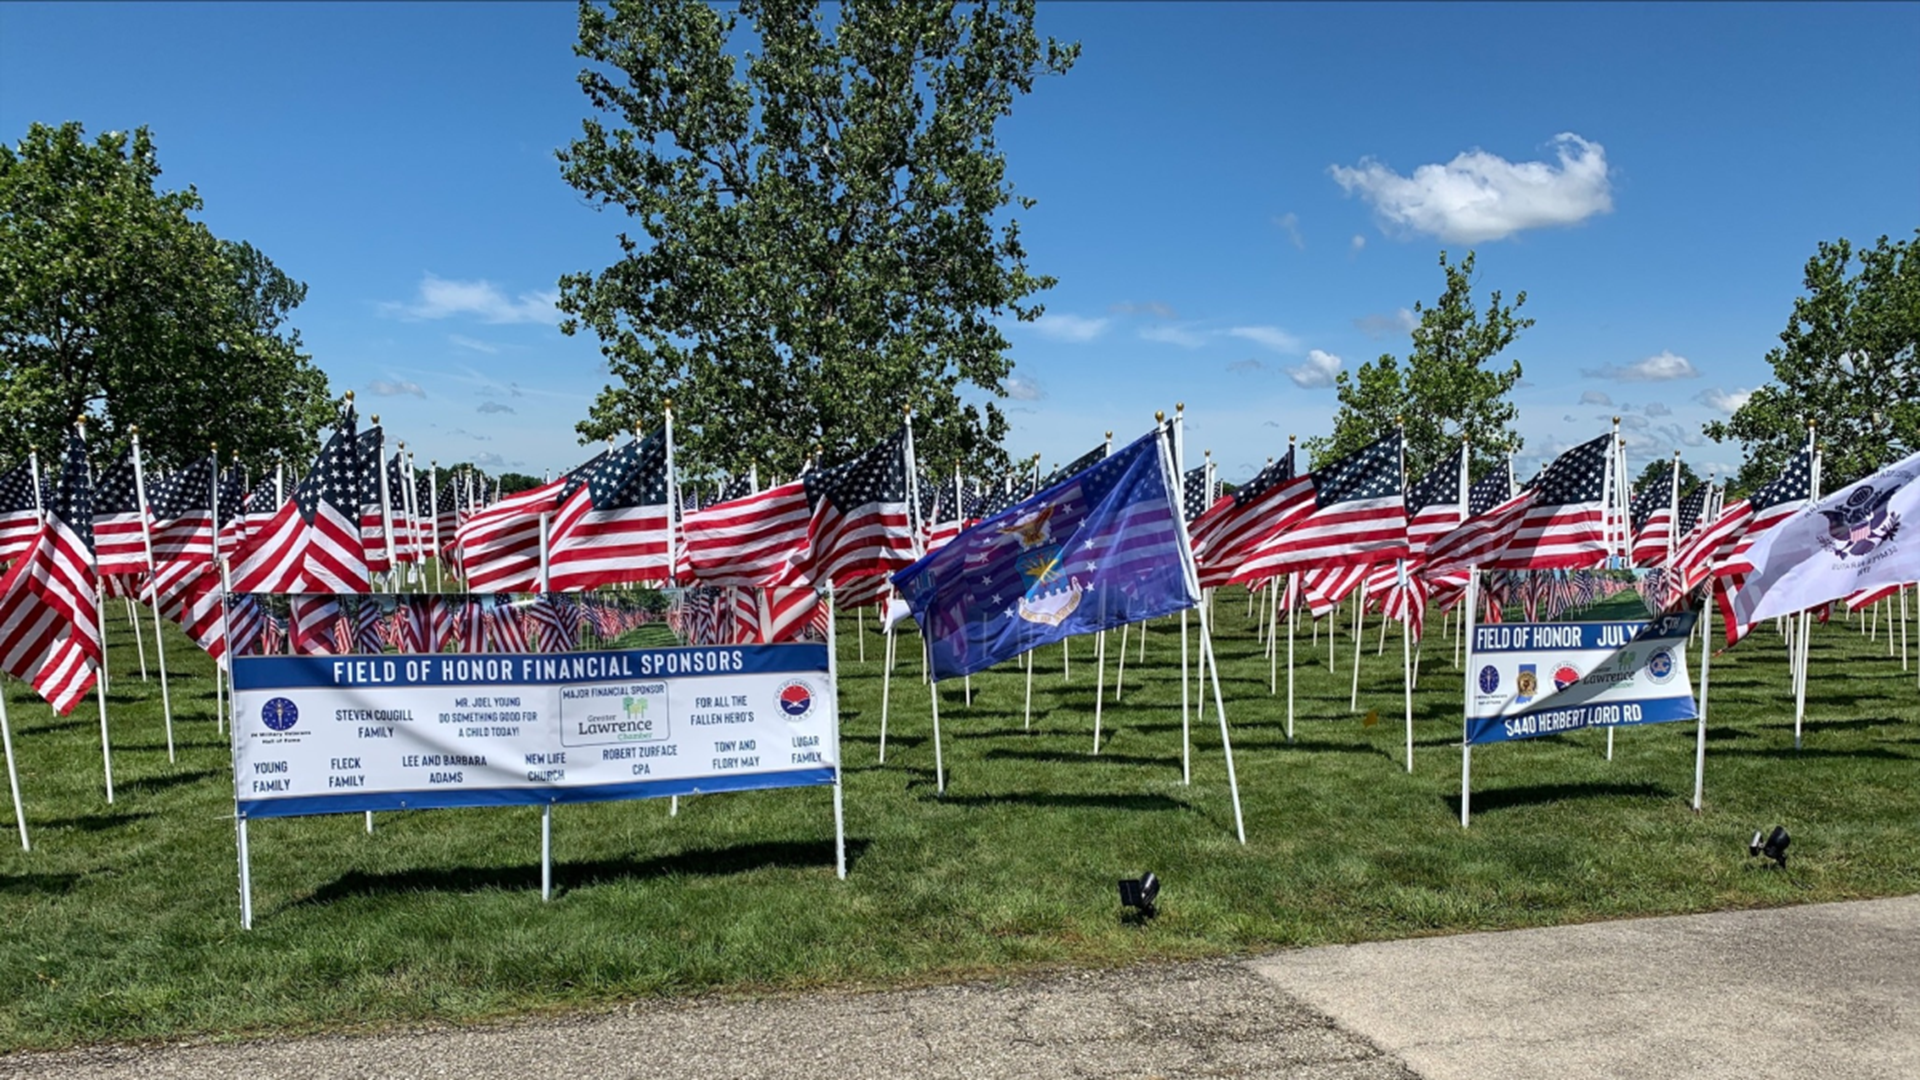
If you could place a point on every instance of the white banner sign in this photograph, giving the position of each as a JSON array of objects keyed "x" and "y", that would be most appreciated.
[
  {"x": 1534, "y": 679},
  {"x": 318, "y": 734}
]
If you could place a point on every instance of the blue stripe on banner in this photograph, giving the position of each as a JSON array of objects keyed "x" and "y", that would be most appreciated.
[
  {"x": 494, "y": 669},
  {"x": 440, "y": 799},
  {"x": 1552, "y": 721}
]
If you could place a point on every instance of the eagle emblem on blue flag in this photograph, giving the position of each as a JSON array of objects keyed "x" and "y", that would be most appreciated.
[{"x": 1039, "y": 566}]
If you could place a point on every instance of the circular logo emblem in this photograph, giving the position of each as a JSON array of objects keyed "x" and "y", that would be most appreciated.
[
  {"x": 1564, "y": 676},
  {"x": 1489, "y": 679},
  {"x": 796, "y": 699},
  {"x": 279, "y": 714},
  {"x": 1660, "y": 666}
]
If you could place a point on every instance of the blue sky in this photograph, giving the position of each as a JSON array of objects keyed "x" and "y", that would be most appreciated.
[{"x": 1237, "y": 199}]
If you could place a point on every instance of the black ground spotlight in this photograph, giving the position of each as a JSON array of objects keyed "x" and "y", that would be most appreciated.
[
  {"x": 1773, "y": 847},
  {"x": 1140, "y": 894}
]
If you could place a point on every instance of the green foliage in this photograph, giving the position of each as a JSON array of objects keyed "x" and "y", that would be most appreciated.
[
  {"x": 1444, "y": 390},
  {"x": 825, "y": 241},
  {"x": 1849, "y": 361},
  {"x": 512, "y": 482},
  {"x": 116, "y": 304},
  {"x": 1688, "y": 478}
]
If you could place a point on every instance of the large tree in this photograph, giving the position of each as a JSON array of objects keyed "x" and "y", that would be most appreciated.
[
  {"x": 1849, "y": 361},
  {"x": 1444, "y": 390},
  {"x": 116, "y": 304},
  {"x": 823, "y": 206}
]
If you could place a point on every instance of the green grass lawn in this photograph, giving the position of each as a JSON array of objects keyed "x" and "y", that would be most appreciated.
[{"x": 123, "y": 922}]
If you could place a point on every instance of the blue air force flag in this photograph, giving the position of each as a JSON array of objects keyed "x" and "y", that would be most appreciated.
[
  {"x": 1103, "y": 547},
  {"x": 1854, "y": 539}
]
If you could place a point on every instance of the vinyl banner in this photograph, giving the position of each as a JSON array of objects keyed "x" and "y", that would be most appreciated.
[
  {"x": 393, "y": 731},
  {"x": 1533, "y": 679}
]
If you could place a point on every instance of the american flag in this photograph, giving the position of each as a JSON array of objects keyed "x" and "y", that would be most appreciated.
[
  {"x": 555, "y": 623},
  {"x": 1327, "y": 587},
  {"x": 49, "y": 626},
  {"x": 1739, "y": 525},
  {"x": 498, "y": 548},
  {"x": 313, "y": 542},
  {"x": 1651, "y": 515},
  {"x": 19, "y": 510},
  {"x": 447, "y": 514},
  {"x": 1352, "y": 512},
  {"x": 182, "y": 507},
  {"x": 1691, "y": 511},
  {"x": 1447, "y": 559},
  {"x": 611, "y": 528},
  {"x": 1434, "y": 509},
  {"x": 1078, "y": 465},
  {"x": 1563, "y": 522},
  {"x": 367, "y": 617},
  {"x": 471, "y": 625},
  {"x": 256, "y": 511},
  {"x": 1232, "y": 527},
  {"x": 1196, "y": 493},
  {"x": 400, "y": 502},
  {"x": 830, "y": 525},
  {"x": 247, "y": 624},
  {"x": 313, "y": 626},
  {"x": 506, "y": 630},
  {"x": 119, "y": 527}
]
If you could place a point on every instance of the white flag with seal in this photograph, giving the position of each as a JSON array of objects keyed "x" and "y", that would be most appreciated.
[{"x": 1861, "y": 536}]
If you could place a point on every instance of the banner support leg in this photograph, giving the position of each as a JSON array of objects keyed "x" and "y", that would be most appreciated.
[
  {"x": 246, "y": 877},
  {"x": 546, "y": 851},
  {"x": 1466, "y": 776}
]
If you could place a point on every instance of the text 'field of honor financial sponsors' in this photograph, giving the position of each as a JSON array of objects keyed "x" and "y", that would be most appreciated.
[
  {"x": 1532, "y": 679},
  {"x": 319, "y": 734}
]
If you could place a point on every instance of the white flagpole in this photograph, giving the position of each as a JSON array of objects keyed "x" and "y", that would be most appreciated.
[
  {"x": 386, "y": 507},
  {"x": 1120, "y": 672},
  {"x": 1806, "y": 618},
  {"x": 1466, "y": 748},
  {"x": 140, "y": 641},
  {"x": 1615, "y": 481},
  {"x": 1293, "y": 617},
  {"x": 433, "y": 492},
  {"x": 546, "y": 808},
  {"x": 1206, "y": 639},
  {"x": 1700, "y": 727},
  {"x": 1099, "y": 687},
  {"x": 1406, "y": 660},
  {"x": 1359, "y": 640},
  {"x": 146, "y": 536},
  {"x": 833, "y": 677},
  {"x": 886, "y": 689},
  {"x": 1180, "y": 480},
  {"x": 13, "y": 774},
  {"x": 939, "y": 765},
  {"x": 100, "y": 683}
]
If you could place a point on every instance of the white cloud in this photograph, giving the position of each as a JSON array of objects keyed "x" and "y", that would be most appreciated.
[
  {"x": 1070, "y": 327},
  {"x": 1022, "y": 389},
  {"x": 1402, "y": 321},
  {"x": 1660, "y": 367},
  {"x": 1245, "y": 367},
  {"x": 1595, "y": 397},
  {"x": 441, "y": 298},
  {"x": 395, "y": 388},
  {"x": 1358, "y": 242},
  {"x": 1290, "y": 223},
  {"x": 488, "y": 460},
  {"x": 1480, "y": 196},
  {"x": 1151, "y": 307},
  {"x": 494, "y": 407},
  {"x": 1174, "y": 335},
  {"x": 1658, "y": 409},
  {"x": 474, "y": 344},
  {"x": 1318, "y": 371},
  {"x": 1271, "y": 336},
  {"x": 1727, "y": 401}
]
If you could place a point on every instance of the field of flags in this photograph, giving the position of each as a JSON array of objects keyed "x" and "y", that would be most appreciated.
[{"x": 337, "y": 559}]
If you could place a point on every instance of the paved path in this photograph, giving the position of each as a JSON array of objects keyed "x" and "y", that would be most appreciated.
[{"x": 1827, "y": 991}]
